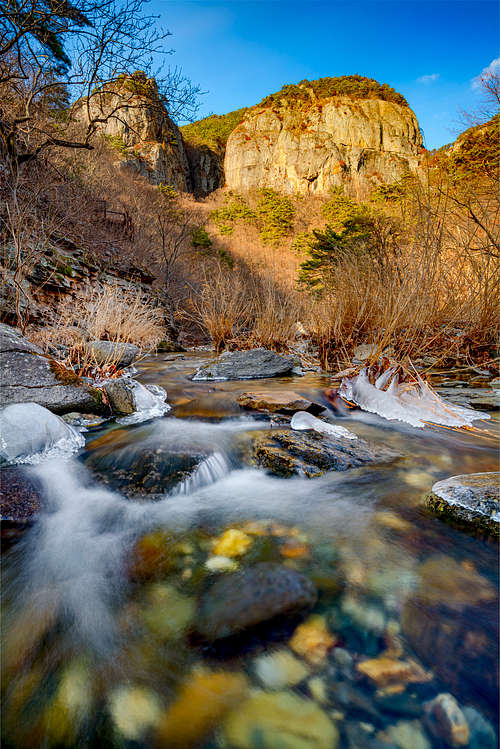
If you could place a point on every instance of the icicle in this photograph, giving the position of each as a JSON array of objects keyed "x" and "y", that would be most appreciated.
[{"x": 303, "y": 420}]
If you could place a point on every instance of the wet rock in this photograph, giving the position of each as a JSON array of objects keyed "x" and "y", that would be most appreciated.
[
  {"x": 349, "y": 697},
  {"x": 402, "y": 704},
  {"x": 152, "y": 556},
  {"x": 451, "y": 622},
  {"x": 384, "y": 670},
  {"x": 88, "y": 422},
  {"x": 446, "y": 721},
  {"x": 120, "y": 395},
  {"x": 112, "y": 352},
  {"x": 280, "y": 719},
  {"x": 68, "y": 710},
  {"x": 483, "y": 399},
  {"x": 279, "y": 670},
  {"x": 360, "y": 736},
  {"x": 28, "y": 376},
  {"x": 246, "y": 365},
  {"x": 482, "y": 733},
  {"x": 287, "y": 453},
  {"x": 232, "y": 543},
  {"x": 138, "y": 468},
  {"x": 312, "y": 640},
  {"x": 166, "y": 612},
  {"x": 245, "y": 598},
  {"x": 29, "y": 430},
  {"x": 407, "y": 735},
  {"x": 470, "y": 501},
  {"x": 20, "y": 499},
  {"x": 201, "y": 704},
  {"x": 135, "y": 710},
  {"x": 283, "y": 401}
]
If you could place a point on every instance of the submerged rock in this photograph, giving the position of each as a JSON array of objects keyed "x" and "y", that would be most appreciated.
[
  {"x": 280, "y": 719},
  {"x": 285, "y": 453},
  {"x": 248, "y": 597},
  {"x": 112, "y": 352},
  {"x": 407, "y": 734},
  {"x": 284, "y": 401},
  {"x": 451, "y": 622},
  {"x": 446, "y": 721},
  {"x": 471, "y": 502},
  {"x": 30, "y": 433},
  {"x": 28, "y": 376},
  {"x": 246, "y": 365},
  {"x": 279, "y": 670},
  {"x": 201, "y": 704},
  {"x": 20, "y": 497},
  {"x": 136, "y": 467},
  {"x": 135, "y": 710}
]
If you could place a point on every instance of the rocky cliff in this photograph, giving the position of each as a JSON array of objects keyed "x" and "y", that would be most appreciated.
[
  {"x": 138, "y": 127},
  {"x": 298, "y": 146}
]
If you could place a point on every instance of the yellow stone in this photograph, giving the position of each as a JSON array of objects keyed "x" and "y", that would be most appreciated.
[
  {"x": 312, "y": 640},
  {"x": 384, "y": 671},
  {"x": 135, "y": 710},
  {"x": 392, "y": 520},
  {"x": 202, "y": 703},
  {"x": 232, "y": 543}
]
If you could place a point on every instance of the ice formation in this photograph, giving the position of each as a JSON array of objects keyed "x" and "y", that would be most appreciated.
[
  {"x": 149, "y": 403},
  {"x": 414, "y": 403},
  {"x": 303, "y": 420},
  {"x": 30, "y": 433}
]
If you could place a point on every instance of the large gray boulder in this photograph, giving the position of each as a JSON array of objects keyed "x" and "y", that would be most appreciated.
[
  {"x": 246, "y": 365},
  {"x": 112, "y": 352},
  {"x": 28, "y": 376},
  {"x": 470, "y": 501},
  {"x": 29, "y": 431}
]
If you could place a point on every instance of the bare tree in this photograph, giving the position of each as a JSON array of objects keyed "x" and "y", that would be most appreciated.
[{"x": 56, "y": 51}]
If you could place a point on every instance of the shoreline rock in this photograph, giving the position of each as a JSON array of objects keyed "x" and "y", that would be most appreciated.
[
  {"x": 469, "y": 501},
  {"x": 284, "y": 401},
  {"x": 28, "y": 376}
]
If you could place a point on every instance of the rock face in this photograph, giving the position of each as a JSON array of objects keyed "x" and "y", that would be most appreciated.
[
  {"x": 246, "y": 365},
  {"x": 287, "y": 453},
  {"x": 244, "y": 599},
  {"x": 30, "y": 377},
  {"x": 471, "y": 502},
  {"x": 141, "y": 131},
  {"x": 326, "y": 143},
  {"x": 205, "y": 169}
]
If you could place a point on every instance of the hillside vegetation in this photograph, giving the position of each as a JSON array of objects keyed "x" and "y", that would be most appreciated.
[
  {"x": 355, "y": 86},
  {"x": 213, "y": 131}
]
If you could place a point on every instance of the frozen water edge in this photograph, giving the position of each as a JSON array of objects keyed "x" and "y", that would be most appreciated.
[
  {"x": 302, "y": 420},
  {"x": 412, "y": 403},
  {"x": 150, "y": 403}
]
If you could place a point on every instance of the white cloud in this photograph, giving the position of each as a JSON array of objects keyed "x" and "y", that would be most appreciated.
[
  {"x": 428, "y": 78},
  {"x": 492, "y": 69}
]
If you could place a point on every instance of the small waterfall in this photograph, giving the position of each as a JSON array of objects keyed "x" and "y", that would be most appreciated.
[{"x": 210, "y": 470}]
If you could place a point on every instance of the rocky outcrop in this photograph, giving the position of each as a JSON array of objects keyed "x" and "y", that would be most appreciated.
[
  {"x": 309, "y": 147},
  {"x": 283, "y": 401},
  {"x": 28, "y": 376},
  {"x": 138, "y": 127}
]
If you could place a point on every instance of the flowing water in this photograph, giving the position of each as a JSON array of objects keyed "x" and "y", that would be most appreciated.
[{"x": 100, "y": 596}]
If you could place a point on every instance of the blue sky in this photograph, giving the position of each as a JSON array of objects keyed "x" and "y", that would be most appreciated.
[{"x": 239, "y": 50}]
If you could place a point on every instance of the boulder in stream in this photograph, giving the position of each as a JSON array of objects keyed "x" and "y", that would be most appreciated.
[
  {"x": 244, "y": 599},
  {"x": 29, "y": 376},
  {"x": 470, "y": 501},
  {"x": 246, "y": 365},
  {"x": 286, "y": 453},
  {"x": 282, "y": 401},
  {"x": 20, "y": 499}
]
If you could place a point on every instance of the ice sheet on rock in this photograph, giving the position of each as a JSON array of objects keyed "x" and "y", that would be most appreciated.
[
  {"x": 150, "y": 403},
  {"x": 413, "y": 403},
  {"x": 303, "y": 420},
  {"x": 30, "y": 433}
]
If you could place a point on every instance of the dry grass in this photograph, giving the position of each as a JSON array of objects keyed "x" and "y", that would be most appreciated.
[{"x": 107, "y": 313}]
